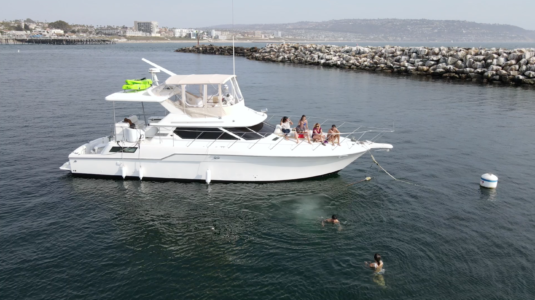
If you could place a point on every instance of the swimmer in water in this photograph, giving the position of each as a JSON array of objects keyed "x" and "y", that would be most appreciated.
[
  {"x": 333, "y": 220},
  {"x": 377, "y": 265}
]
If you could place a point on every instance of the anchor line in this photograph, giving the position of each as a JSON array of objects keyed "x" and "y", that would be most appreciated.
[{"x": 407, "y": 182}]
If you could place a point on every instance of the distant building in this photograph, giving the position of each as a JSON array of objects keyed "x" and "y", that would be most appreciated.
[
  {"x": 277, "y": 34},
  {"x": 136, "y": 33},
  {"x": 56, "y": 32},
  {"x": 110, "y": 31},
  {"x": 16, "y": 33},
  {"x": 148, "y": 27},
  {"x": 180, "y": 33},
  {"x": 258, "y": 34}
]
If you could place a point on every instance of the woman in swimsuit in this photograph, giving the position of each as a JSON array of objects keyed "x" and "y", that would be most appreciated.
[
  {"x": 305, "y": 122},
  {"x": 317, "y": 134},
  {"x": 378, "y": 264}
]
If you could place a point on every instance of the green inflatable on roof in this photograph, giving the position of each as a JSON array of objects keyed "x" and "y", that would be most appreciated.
[{"x": 137, "y": 85}]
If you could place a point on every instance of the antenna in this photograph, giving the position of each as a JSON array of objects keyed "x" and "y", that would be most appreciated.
[{"x": 233, "y": 33}]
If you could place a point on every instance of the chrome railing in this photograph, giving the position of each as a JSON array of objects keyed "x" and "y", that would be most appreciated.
[{"x": 354, "y": 136}]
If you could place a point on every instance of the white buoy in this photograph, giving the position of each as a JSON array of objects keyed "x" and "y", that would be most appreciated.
[
  {"x": 208, "y": 176},
  {"x": 489, "y": 181},
  {"x": 140, "y": 173}
]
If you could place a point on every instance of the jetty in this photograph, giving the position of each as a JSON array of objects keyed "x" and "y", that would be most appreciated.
[
  {"x": 494, "y": 65},
  {"x": 57, "y": 41}
]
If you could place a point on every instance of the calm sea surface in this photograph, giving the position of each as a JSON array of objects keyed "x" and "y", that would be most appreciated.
[{"x": 63, "y": 237}]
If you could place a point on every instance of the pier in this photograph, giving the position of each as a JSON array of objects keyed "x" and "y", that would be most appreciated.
[{"x": 57, "y": 41}]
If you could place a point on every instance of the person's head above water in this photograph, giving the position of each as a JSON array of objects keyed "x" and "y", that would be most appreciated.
[
  {"x": 333, "y": 217},
  {"x": 377, "y": 258}
]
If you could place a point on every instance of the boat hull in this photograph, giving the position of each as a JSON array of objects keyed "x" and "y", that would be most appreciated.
[{"x": 229, "y": 168}]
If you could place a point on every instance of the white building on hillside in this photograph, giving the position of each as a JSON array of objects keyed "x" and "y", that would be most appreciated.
[
  {"x": 148, "y": 27},
  {"x": 56, "y": 32},
  {"x": 180, "y": 33},
  {"x": 136, "y": 33}
]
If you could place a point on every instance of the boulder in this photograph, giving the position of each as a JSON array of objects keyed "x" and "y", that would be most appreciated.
[
  {"x": 460, "y": 55},
  {"x": 514, "y": 56},
  {"x": 450, "y": 75},
  {"x": 501, "y": 61},
  {"x": 452, "y": 60},
  {"x": 423, "y": 68},
  {"x": 468, "y": 70},
  {"x": 430, "y": 63},
  {"x": 489, "y": 74}
]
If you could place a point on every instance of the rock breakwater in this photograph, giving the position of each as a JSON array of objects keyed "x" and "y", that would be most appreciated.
[{"x": 502, "y": 66}]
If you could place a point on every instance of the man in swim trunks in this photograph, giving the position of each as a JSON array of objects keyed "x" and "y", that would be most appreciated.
[{"x": 333, "y": 220}]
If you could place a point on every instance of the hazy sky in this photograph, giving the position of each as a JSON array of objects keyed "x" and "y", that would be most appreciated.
[{"x": 204, "y": 13}]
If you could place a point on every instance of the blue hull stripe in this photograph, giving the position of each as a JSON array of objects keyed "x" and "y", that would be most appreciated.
[{"x": 489, "y": 180}]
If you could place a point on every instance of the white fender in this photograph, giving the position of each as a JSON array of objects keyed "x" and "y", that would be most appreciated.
[
  {"x": 140, "y": 173},
  {"x": 123, "y": 171},
  {"x": 208, "y": 176}
]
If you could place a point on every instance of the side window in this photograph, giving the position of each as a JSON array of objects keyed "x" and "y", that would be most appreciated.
[{"x": 202, "y": 134}]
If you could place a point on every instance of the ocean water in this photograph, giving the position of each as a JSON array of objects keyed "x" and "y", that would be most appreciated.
[{"x": 441, "y": 237}]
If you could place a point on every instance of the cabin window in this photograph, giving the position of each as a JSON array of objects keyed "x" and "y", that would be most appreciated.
[
  {"x": 261, "y": 129},
  {"x": 123, "y": 149},
  {"x": 203, "y": 134}
]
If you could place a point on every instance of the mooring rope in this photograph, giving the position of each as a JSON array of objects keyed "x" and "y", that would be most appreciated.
[{"x": 375, "y": 161}]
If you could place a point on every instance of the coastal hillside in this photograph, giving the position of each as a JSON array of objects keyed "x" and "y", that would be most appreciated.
[{"x": 396, "y": 30}]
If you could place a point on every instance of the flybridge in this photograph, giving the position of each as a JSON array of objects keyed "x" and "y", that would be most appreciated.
[{"x": 200, "y": 99}]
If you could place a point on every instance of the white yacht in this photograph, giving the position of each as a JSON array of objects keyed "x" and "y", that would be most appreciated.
[{"x": 209, "y": 134}]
